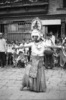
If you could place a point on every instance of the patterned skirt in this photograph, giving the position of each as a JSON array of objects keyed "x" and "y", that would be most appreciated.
[{"x": 34, "y": 77}]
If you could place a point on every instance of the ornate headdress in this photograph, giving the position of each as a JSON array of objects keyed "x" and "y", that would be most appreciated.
[{"x": 36, "y": 27}]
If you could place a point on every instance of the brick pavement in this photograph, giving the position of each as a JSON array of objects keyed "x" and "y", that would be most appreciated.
[{"x": 10, "y": 83}]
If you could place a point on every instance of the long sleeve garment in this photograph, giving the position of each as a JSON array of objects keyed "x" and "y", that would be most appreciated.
[{"x": 3, "y": 47}]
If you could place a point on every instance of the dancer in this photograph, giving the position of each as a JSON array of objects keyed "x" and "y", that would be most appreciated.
[{"x": 34, "y": 77}]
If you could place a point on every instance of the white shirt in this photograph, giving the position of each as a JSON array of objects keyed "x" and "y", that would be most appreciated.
[
  {"x": 2, "y": 45},
  {"x": 9, "y": 49},
  {"x": 53, "y": 39},
  {"x": 22, "y": 50},
  {"x": 48, "y": 42}
]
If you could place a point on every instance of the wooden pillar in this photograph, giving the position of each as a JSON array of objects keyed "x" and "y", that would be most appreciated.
[
  {"x": 5, "y": 31},
  {"x": 62, "y": 28},
  {"x": 46, "y": 29},
  {"x": 43, "y": 30}
]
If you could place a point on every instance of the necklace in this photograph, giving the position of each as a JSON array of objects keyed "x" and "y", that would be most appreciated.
[{"x": 38, "y": 45}]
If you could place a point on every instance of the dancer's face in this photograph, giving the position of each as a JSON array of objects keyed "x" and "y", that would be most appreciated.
[{"x": 35, "y": 38}]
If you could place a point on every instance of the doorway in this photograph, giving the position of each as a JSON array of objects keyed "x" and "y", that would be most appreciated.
[{"x": 56, "y": 30}]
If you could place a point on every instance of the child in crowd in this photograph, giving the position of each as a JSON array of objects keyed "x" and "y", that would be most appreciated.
[{"x": 19, "y": 60}]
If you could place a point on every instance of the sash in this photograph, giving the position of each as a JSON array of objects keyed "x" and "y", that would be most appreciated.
[{"x": 32, "y": 68}]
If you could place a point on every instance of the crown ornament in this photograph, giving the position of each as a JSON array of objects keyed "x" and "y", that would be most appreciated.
[{"x": 36, "y": 24}]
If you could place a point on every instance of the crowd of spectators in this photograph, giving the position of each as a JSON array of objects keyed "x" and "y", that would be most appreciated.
[{"x": 20, "y": 57}]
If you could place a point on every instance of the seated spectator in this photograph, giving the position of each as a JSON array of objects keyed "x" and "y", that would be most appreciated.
[{"x": 19, "y": 60}]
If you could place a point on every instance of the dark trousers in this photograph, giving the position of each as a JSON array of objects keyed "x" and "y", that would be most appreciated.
[
  {"x": 49, "y": 59},
  {"x": 21, "y": 64},
  {"x": 10, "y": 59},
  {"x": 2, "y": 59}
]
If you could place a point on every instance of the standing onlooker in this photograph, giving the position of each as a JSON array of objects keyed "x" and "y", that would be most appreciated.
[
  {"x": 2, "y": 50},
  {"x": 10, "y": 54},
  {"x": 52, "y": 38},
  {"x": 49, "y": 52}
]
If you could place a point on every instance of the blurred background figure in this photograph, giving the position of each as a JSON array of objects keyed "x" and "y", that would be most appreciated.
[
  {"x": 63, "y": 54},
  {"x": 20, "y": 61},
  {"x": 10, "y": 54},
  {"x": 52, "y": 37},
  {"x": 3, "y": 50},
  {"x": 49, "y": 63}
]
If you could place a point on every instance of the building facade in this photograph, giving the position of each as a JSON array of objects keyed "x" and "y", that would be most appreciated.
[{"x": 16, "y": 17}]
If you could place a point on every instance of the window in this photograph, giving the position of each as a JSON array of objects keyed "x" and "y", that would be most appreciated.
[{"x": 64, "y": 3}]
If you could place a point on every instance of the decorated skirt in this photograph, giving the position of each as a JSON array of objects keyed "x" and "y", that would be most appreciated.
[{"x": 34, "y": 77}]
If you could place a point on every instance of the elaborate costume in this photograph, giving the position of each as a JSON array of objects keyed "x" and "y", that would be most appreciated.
[{"x": 34, "y": 77}]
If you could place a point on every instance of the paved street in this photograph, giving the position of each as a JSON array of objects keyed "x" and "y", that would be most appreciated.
[{"x": 10, "y": 83}]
